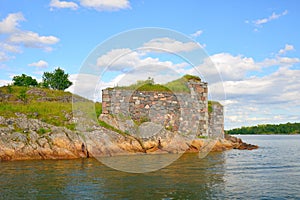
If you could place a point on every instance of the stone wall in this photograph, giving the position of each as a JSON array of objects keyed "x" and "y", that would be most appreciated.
[
  {"x": 186, "y": 113},
  {"x": 216, "y": 121}
]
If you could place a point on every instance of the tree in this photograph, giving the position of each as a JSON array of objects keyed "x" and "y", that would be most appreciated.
[
  {"x": 57, "y": 80},
  {"x": 24, "y": 80}
]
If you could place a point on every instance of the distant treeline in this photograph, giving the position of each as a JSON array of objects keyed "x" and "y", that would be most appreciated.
[{"x": 288, "y": 128}]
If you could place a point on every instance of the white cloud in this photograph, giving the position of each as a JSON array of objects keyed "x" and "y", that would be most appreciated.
[
  {"x": 233, "y": 67},
  {"x": 10, "y": 48},
  {"x": 11, "y": 22},
  {"x": 14, "y": 38},
  {"x": 124, "y": 60},
  {"x": 236, "y": 68},
  {"x": 279, "y": 61},
  {"x": 267, "y": 87},
  {"x": 33, "y": 40},
  {"x": 122, "y": 57},
  {"x": 3, "y": 56},
  {"x": 4, "y": 82},
  {"x": 259, "y": 99},
  {"x": 39, "y": 64},
  {"x": 103, "y": 5},
  {"x": 63, "y": 4},
  {"x": 168, "y": 44},
  {"x": 197, "y": 33},
  {"x": 90, "y": 86},
  {"x": 287, "y": 48},
  {"x": 272, "y": 97},
  {"x": 226, "y": 67},
  {"x": 252, "y": 100},
  {"x": 83, "y": 85},
  {"x": 260, "y": 22}
]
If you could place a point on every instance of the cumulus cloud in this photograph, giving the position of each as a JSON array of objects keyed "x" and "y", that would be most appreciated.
[
  {"x": 287, "y": 48},
  {"x": 259, "y": 99},
  {"x": 39, "y": 64},
  {"x": 197, "y": 33},
  {"x": 168, "y": 44},
  {"x": 224, "y": 66},
  {"x": 251, "y": 99},
  {"x": 10, "y": 48},
  {"x": 11, "y": 22},
  {"x": 122, "y": 57},
  {"x": 4, "y": 82},
  {"x": 14, "y": 38},
  {"x": 33, "y": 40},
  {"x": 3, "y": 56},
  {"x": 279, "y": 61},
  {"x": 63, "y": 4},
  {"x": 248, "y": 113},
  {"x": 125, "y": 60},
  {"x": 90, "y": 86},
  {"x": 103, "y": 5},
  {"x": 272, "y": 97},
  {"x": 233, "y": 67}
]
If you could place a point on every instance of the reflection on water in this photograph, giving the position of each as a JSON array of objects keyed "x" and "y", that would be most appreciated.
[
  {"x": 139, "y": 163},
  {"x": 272, "y": 171},
  {"x": 188, "y": 177}
]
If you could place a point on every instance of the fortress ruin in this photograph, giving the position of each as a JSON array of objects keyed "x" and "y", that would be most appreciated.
[{"x": 182, "y": 112}]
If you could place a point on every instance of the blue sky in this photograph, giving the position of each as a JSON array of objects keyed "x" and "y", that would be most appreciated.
[{"x": 254, "y": 45}]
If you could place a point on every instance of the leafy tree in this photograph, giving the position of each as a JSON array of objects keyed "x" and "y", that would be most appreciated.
[
  {"x": 24, "y": 80},
  {"x": 57, "y": 80}
]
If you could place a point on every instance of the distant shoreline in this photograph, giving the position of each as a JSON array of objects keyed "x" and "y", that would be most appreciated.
[
  {"x": 266, "y": 134},
  {"x": 267, "y": 129}
]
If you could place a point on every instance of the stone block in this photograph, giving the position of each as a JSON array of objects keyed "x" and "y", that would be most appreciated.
[{"x": 105, "y": 99}]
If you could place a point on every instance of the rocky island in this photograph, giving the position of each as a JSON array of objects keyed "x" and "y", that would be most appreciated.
[{"x": 39, "y": 123}]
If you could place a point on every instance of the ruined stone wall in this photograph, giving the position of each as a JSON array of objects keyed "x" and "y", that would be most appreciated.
[
  {"x": 216, "y": 121},
  {"x": 186, "y": 113}
]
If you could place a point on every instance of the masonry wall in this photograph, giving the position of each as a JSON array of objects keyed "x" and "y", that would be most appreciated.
[
  {"x": 216, "y": 121},
  {"x": 186, "y": 113}
]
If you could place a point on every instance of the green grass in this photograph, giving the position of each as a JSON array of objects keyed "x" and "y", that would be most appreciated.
[
  {"x": 202, "y": 137},
  {"x": 145, "y": 87},
  {"x": 178, "y": 85},
  {"x": 15, "y": 91},
  {"x": 42, "y": 131},
  {"x": 52, "y": 112},
  {"x": 49, "y": 112},
  {"x": 98, "y": 108}
]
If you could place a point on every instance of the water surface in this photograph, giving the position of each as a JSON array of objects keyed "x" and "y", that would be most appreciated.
[{"x": 270, "y": 172}]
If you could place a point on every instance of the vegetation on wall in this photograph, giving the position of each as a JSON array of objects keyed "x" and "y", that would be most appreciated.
[
  {"x": 178, "y": 85},
  {"x": 48, "y": 102}
]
